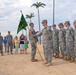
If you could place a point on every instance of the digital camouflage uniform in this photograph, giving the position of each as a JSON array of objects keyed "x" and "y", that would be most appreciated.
[
  {"x": 62, "y": 43},
  {"x": 47, "y": 42},
  {"x": 32, "y": 40},
  {"x": 70, "y": 42},
  {"x": 1, "y": 45},
  {"x": 75, "y": 41},
  {"x": 55, "y": 41}
]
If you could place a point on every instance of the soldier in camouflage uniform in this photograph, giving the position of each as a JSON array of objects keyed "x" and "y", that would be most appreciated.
[
  {"x": 70, "y": 42},
  {"x": 32, "y": 41},
  {"x": 62, "y": 43},
  {"x": 1, "y": 44},
  {"x": 47, "y": 42},
  {"x": 55, "y": 42},
  {"x": 10, "y": 42},
  {"x": 75, "y": 37}
]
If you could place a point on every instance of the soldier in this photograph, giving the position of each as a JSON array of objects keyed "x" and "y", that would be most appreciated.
[
  {"x": 62, "y": 43},
  {"x": 10, "y": 42},
  {"x": 75, "y": 37},
  {"x": 55, "y": 42},
  {"x": 69, "y": 42},
  {"x": 32, "y": 41},
  {"x": 1, "y": 44},
  {"x": 47, "y": 42}
]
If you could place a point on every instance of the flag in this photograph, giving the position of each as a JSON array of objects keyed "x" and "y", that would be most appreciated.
[{"x": 22, "y": 25}]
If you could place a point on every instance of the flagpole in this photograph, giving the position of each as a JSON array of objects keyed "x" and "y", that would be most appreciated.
[
  {"x": 21, "y": 11},
  {"x": 22, "y": 31},
  {"x": 53, "y": 12}
]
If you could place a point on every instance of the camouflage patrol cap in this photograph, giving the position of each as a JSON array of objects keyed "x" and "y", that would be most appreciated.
[
  {"x": 54, "y": 25},
  {"x": 31, "y": 23},
  {"x": 68, "y": 22},
  {"x": 44, "y": 21},
  {"x": 74, "y": 21},
  {"x": 60, "y": 24}
]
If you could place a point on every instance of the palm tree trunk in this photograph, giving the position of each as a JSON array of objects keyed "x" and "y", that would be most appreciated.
[
  {"x": 53, "y": 12},
  {"x": 39, "y": 24},
  {"x": 30, "y": 20}
]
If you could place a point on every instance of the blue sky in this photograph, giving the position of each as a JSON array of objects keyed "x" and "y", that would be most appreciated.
[{"x": 10, "y": 13}]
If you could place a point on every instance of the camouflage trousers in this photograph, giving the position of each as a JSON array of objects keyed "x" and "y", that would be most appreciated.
[
  {"x": 47, "y": 52},
  {"x": 62, "y": 48},
  {"x": 70, "y": 49},
  {"x": 56, "y": 47},
  {"x": 33, "y": 50},
  {"x": 1, "y": 48},
  {"x": 75, "y": 48}
]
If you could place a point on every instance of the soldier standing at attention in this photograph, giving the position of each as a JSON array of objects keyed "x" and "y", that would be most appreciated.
[
  {"x": 47, "y": 42},
  {"x": 75, "y": 37},
  {"x": 32, "y": 41},
  {"x": 62, "y": 43},
  {"x": 55, "y": 42},
  {"x": 1, "y": 44},
  {"x": 10, "y": 42},
  {"x": 70, "y": 42}
]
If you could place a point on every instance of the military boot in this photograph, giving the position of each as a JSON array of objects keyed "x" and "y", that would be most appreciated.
[
  {"x": 72, "y": 60},
  {"x": 57, "y": 56},
  {"x": 61, "y": 57},
  {"x": 49, "y": 64},
  {"x": 54, "y": 55},
  {"x": 65, "y": 58},
  {"x": 34, "y": 60},
  {"x": 68, "y": 59},
  {"x": 46, "y": 62}
]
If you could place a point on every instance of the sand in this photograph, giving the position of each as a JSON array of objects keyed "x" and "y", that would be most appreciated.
[{"x": 21, "y": 65}]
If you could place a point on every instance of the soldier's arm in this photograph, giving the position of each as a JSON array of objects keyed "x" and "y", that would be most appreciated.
[
  {"x": 49, "y": 32},
  {"x": 2, "y": 39},
  {"x": 39, "y": 34},
  {"x": 72, "y": 32}
]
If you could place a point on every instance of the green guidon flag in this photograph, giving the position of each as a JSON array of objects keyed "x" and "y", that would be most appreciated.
[{"x": 22, "y": 25}]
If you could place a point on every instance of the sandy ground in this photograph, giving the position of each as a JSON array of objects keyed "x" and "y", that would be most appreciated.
[{"x": 21, "y": 65}]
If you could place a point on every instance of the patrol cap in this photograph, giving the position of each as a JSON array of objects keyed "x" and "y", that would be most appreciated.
[
  {"x": 44, "y": 21},
  {"x": 31, "y": 23},
  {"x": 60, "y": 24},
  {"x": 68, "y": 22},
  {"x": 74, "y": 21},
  {"x": 54, "y": 25}
]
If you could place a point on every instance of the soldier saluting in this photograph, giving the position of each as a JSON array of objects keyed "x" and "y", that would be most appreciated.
[{"x": 47, "y": 42}]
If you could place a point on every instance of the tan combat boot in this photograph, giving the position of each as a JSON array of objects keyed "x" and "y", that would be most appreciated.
[
  {"x": 34, "y": 60},
  {"x": 54, "y": 54},
  {"x": 46, "y": 62},
  {"x": 72, "y": 60},
  {"x": 68, "y": 59},
  {"x": 61, "y": 57},
  {"x": 57, "y": 56},
  {"x": 65, "y": 58},
  {"x": 49, "y": 64}
]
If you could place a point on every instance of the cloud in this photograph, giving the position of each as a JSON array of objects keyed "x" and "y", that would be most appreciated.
[{"x": 10, "y": 12}]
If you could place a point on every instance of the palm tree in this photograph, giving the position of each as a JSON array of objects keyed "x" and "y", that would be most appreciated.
[
  {"x": 38, "y": 5},
  {"x": 30, "y": 16}
]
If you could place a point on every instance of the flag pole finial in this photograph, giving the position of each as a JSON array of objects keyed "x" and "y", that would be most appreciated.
[{"x": 21, "y": 11}]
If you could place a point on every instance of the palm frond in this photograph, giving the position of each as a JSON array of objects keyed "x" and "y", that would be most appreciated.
[{"x": 38, "y": 4}]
